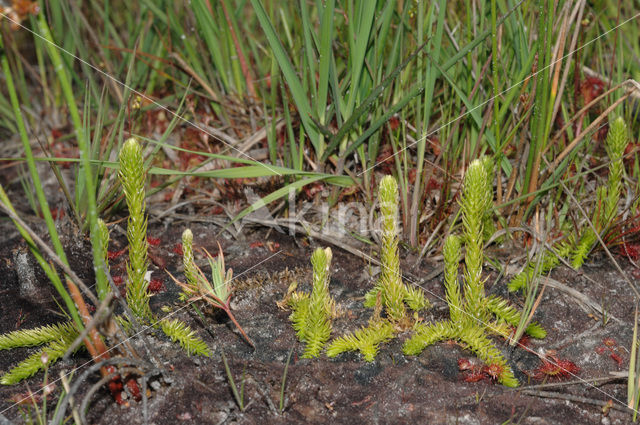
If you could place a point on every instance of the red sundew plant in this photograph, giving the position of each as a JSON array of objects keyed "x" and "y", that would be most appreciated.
[
  {"x": 113, "y": 255},
  {"x": 475, "y": 372},
  {"x": 555, "y": 368},
  {"x": 156, "y": 285},
  {"x": 153, "y": 241},
  {"x": 493, "y": 371},
  {"x": 630, "y": 250},
  {"x": 591, "y": 88},
  {"x": 177, "y": 249},
  {"x": 616, "y": 358},
  {"x": 610, "y": 346},
  {"x": 116, "y": 387}
]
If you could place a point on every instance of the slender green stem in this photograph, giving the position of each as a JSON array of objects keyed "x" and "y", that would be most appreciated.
[{"x": 84, "y": 148}]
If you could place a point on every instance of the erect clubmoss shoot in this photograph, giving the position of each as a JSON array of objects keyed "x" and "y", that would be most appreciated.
[
  {"x": 393, "y": 292},
  {"x": 312, "y": 314},
  {"x": 132, "y": 178},
  {"x": 472, "y": 318}
]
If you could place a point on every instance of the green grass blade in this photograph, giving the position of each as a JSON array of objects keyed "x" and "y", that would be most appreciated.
[{"x": 294, "y": 83}]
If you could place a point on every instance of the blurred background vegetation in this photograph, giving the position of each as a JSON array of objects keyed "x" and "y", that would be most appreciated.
[{"x": 325, "y": 97}]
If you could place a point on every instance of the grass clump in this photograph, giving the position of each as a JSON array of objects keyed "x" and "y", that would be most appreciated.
[{"x": 472, "y": 314}]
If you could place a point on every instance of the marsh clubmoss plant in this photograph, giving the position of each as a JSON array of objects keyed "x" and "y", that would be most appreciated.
[
  {"x": 389, "y": 295},
  {"x": 58, "y": 338},
  {"x": 532, "y": 270},
  {"x": 366, "y": 340},
  {"x": 473, "y": 315},
  {"x": 607, "y": 197},
  {"x": 179, "y": 332},
  {"x": 190, "y": 270},
  {"x": 132, "y": 178},
  {"x": 312, "y": 313},
  {"x": 488, "y": 225},
  {"x": 395, "y": 295}
]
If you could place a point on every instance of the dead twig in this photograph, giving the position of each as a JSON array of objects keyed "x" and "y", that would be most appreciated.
[{"x": 571, "y": 397}]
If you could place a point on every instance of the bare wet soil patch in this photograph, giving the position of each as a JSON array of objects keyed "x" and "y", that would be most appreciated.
[{"x": 393, "y": 389}]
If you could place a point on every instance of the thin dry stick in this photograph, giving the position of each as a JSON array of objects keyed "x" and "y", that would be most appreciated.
[
  {"x": 570, "y": 397},
  {"x": 602, "y": 380},
  {"x": 579, "y": 10},
  {"x": 184, "y": 65},
  {"x": 74, "y": 410}
]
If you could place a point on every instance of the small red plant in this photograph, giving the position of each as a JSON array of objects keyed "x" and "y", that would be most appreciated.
[
  {"x": 616, "y": 358},
  {"x": 57, "y": 213},
  {"x": 474, "y": 372},
  {"x": 465, "y": 364},
  {"x": 177, "y": 249},
  {"x": 115, "y": 254},
  {"x": 631, "y": 251},
  {"x": 256, "y": 244},
  {"x": 394, "y": 122},
  {"x": 555, "y": 368},
  {"x": 116, "y": 387},
  {"x": 153, "y": 241},
  {"x": 156, "y": 285},
  {"x": 493, "y": 371},
  {"x": 273, "y": 246},
  {"x": 610, "y": 346},
  {"x": 591, "y": 88},
  {"x": 313, "y": 189}
]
